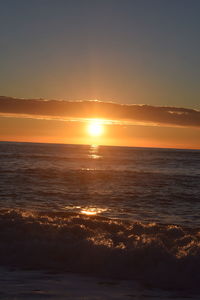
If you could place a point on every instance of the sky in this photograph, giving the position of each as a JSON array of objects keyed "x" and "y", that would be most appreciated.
[{"x": 128, "y": 52}]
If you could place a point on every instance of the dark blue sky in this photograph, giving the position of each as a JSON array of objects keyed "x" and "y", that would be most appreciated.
[{"x": 144, "y": 51}]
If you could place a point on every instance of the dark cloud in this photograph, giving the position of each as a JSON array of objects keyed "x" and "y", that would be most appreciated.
[{"x": 144, "y": 114}]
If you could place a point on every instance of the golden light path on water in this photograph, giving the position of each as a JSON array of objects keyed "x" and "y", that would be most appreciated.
[
  {"x": 92, "y": 211},
  {"x": 89, "y": 210},
  {"x": 93, "y": 152}
]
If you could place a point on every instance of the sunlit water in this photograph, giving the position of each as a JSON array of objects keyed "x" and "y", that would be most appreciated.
[
  {"x": 153, "y": 185},
  {"x": 110, "y": 211}
]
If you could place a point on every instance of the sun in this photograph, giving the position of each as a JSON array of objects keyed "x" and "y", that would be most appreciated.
[{"x": 95, "y": 128}]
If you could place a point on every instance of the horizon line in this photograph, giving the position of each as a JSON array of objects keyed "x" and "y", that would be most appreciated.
[{"x": 123, "y": 146}]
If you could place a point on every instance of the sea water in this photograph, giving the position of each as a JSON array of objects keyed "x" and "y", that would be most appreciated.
[{"x": 119, "y": 212}]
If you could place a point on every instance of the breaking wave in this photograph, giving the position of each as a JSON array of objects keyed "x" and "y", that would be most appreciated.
[{"x": 166, "y": 256}]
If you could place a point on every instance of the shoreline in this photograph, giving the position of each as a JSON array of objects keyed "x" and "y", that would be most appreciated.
[{"x": 18, "y": 284}]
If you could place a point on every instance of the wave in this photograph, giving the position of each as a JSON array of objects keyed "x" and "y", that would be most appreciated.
[
  {"x": 166, "y": 256},
  {"x": 41, "y": 171}
]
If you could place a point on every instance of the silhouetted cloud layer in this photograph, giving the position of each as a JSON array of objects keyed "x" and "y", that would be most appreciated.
[{"x": 56, "y": 109}]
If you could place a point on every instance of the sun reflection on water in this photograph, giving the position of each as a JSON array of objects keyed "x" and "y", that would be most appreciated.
[
  {"x": 93, "y": 211},
  {"x": 87, "y": 210},
  {"x": 93, "y": 152}
]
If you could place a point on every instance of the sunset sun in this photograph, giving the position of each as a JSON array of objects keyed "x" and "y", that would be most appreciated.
[{"x": 95, "y": 128}]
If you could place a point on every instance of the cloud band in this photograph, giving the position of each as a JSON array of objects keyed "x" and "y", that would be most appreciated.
[{"x": 65, "y": 110}]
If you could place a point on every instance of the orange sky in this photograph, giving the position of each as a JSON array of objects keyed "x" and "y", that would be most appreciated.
[
  {"x": 59, "y": 121},
  {"x": 76, "y": 132},
  {"x": 142, "y": 55}
]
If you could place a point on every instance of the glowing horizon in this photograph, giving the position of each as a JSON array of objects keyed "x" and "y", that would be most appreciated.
[{"x": 76, "y": 122}]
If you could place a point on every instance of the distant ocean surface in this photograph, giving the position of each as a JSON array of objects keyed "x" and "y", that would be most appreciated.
[{"x": 113, "y": 211}]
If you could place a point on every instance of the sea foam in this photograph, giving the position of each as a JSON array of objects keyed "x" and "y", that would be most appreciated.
[{"x": 161, "y": 255}]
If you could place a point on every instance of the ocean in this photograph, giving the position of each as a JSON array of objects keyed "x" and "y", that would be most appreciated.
[{"x": 116, "y": 212}]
